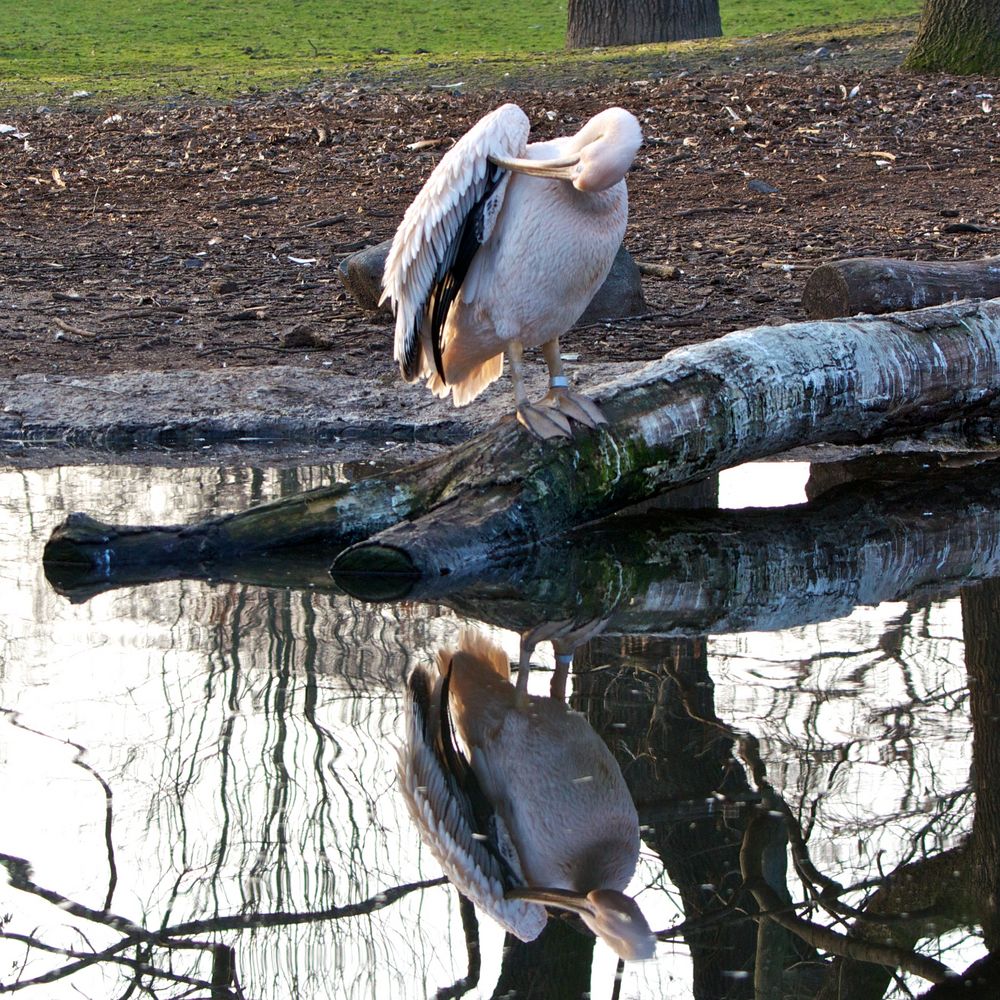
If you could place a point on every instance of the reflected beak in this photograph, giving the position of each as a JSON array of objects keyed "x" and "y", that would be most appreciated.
[
  {"x": 608, "y": 913},
  {"x": 563, "y": 899},
  {"x": 560, "y": 169}
]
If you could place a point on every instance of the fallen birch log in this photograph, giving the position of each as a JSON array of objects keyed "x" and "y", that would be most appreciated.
[
  {"x": 752, "y": 394},
  {"x": 882, "y": 284}
]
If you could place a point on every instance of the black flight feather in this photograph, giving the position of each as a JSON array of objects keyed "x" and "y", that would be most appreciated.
[
  {"x": 480, "y": 810},
  {"x": 455, "y": 264}
]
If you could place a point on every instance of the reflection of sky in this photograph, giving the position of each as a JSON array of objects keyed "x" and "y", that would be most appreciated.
[
  {"x": 188, "y": 699},
  {"x": 763, "y": 484},
  {"x": 825, "y": 693}
]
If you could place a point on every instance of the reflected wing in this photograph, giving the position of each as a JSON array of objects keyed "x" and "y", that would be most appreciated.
[
  {"x": 444, "y": 813},
  {"x": 449, "y": 220}
]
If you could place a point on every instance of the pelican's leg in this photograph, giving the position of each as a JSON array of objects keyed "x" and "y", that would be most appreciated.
[
  {"x": 541, "y": 421},
  {"x": 524, "y": 665},
  {"x": 564, "y": 662},
  {"x": 573, "y": 404}
]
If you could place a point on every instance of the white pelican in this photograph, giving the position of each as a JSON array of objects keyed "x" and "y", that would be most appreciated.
[
  {"x": 520, "y": 800},
  {"x": 502, "y": 250}
]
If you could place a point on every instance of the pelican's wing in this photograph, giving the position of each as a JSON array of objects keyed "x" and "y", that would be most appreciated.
[
  {"x": 445, "y": 817},
  {"x": 449, "y": 220}
]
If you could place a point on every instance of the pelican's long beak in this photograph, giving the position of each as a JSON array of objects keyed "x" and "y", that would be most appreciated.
[
  {"x": 563, "y": 899},
  {"x": 560, "y": 168},
  {"x": 611, "y": 915}
]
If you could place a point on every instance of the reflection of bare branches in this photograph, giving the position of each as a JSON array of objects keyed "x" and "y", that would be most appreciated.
[
  {"x": 178, "y": 936},
  {"x": 773, "y": 907},
  {"x": 79, "y": 761},
  {"x": 111, "y": 955},
  {"x": 822, "y": 889},
  {"x": 770, "y": 799},
  {"x": 470, "y": 925}
]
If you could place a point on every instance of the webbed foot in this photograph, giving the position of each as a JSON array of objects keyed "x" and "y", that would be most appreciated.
[
  {"x": 543, "y": 421},
  {"x": 577, "y": 407}
]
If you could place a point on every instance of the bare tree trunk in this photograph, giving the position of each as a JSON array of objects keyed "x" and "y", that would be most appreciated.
[
  {"x": 752, "y": 394},
  {"x": 958, "y": 36},
  {"x": 653, "y": 701},
  {"x": 881, "y": 284},
  {"x": 635, "y": 22},
  {"x": 981, "y": 628}
]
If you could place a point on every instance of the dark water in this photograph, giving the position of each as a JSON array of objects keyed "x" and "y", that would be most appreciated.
[{"x": 198, "y": 778}]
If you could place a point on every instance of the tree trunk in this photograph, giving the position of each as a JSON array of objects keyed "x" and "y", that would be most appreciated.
[
  {"x": 652, "y": 701},
  {"x": 749, "y": 395},
  {"x": 981, "y": 629},
  {"x": 958, "y": 36},
  {"x": 636, "y": 22},
  {"x": 880, "y": 285}
]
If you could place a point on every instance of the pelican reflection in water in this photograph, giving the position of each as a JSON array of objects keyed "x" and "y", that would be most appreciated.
[{"x": 519, "y": 799}]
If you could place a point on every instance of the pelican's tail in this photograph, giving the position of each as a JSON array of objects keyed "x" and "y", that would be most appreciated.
[
  {"x": 482, "y": 648},
  {"x": 466, "y": 389},
  {"x": 481, "y": 695}
]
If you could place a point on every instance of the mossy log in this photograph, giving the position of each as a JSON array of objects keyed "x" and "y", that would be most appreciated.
[
  {"x": 883, "y": 284},
  {"x": 751, "y": 394}
]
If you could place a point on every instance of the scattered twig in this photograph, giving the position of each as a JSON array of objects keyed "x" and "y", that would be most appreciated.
[
  {"x": 251, "y": 313},
  {"x": 644, "y": 318},
  {"x": 77, "y": 331},
  {"x": 274, "y": 348},
  {"x": 140, "y": 312},
  {"x": 654, "y": 270},
  {"x": 333, "y": 220},
  {"x": 685, "y": 213},
  {"x": 426, "y": 144},
  {"x": 249, "y": 201}
]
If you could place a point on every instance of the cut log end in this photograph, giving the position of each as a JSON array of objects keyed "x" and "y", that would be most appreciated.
[
  {"x": 826, "y": 294},
  {"x": 375, "y": 572},
  {"x": 76, "y": 539}
]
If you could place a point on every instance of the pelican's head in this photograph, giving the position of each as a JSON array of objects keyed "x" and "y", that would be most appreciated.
[
  {"x": 601, "y": 153},
  {"x": 608, "y": 144},
  {"x": 608, "y": 913}
]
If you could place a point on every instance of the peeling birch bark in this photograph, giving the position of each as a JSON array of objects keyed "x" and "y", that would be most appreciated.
[{"x": 749, "y": 395}]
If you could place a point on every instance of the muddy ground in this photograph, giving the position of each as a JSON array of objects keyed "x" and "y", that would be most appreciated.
[{"x": 207, "y": 237}]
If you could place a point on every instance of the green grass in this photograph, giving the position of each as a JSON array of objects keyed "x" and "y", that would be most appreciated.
[{"x": 140, "y": 47}]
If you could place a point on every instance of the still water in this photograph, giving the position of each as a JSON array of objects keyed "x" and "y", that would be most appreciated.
[{"x": 198, "y": 777}]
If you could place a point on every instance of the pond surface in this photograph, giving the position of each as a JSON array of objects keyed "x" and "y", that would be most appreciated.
[{"x": 198, "y": 778}]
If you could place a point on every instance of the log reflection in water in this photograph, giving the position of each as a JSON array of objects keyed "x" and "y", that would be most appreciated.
[{"x": 694, "y": 573}]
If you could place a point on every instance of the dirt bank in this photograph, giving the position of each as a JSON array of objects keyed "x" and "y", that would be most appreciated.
[{"x": 205, "y": 239}]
